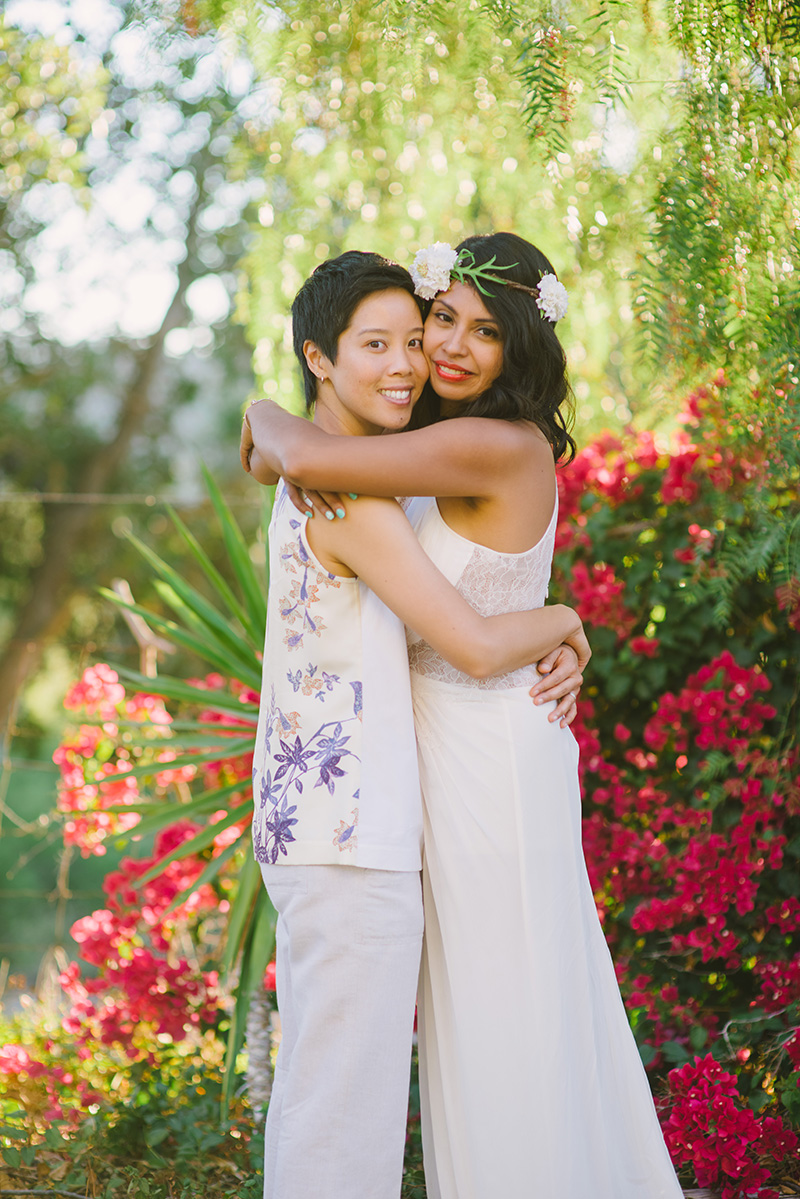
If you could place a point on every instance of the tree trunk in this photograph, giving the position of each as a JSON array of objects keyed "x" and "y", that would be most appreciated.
[{"x": 45, "y": 608}]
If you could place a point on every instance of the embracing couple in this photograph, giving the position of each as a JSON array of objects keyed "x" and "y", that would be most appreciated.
[{"x": 405, "y": 724}]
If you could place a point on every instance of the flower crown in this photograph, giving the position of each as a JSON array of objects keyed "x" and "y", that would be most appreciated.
[{"x": 434, "y": 268}]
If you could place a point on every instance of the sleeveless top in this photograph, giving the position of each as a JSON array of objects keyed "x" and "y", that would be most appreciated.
[
  {"x": 491, "y": 581},
  {"x": 335, "y": 776}
]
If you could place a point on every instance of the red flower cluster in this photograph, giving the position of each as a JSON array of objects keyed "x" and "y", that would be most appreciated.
[
  {"x": 679, "y": 484},
  {"x": 147, "y": 979},
  {"x": 709, "y": 1127},
  {"x": 142, "y": 979},
  {"x": 95, "y": 751},
  {"x": 598, "y": 598},
  {"x": 659, "y": 854},
  {"x": 715, "y": 715}
]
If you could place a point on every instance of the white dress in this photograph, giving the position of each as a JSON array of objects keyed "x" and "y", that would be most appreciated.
[{"x": 531, "y": 1082}]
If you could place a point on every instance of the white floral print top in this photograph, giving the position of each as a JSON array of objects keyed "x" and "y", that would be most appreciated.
[{"x": 335, "y": 769}]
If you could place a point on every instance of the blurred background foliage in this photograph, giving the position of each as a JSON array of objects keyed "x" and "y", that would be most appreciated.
[
  {"x": 123, "y": 220},
  {"x": 170, "y": 173}
]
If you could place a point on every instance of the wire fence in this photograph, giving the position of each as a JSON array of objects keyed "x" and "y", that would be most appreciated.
[{"x": 112, "y": 499}]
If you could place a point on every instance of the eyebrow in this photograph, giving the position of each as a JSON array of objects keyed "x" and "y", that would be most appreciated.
[
  {"x": 361, "y": 332},
  {"x": 485, "y": 320}
]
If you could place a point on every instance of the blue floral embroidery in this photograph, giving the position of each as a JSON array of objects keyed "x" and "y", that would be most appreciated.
[
  {"x": 303, "y": 592},
  {"x": 328, "y": 682},
  {"x": 332, "y": 746},
  {"x": 314, "y": 682},
  {"x": 268, "y": 792},
  {"x": 322, "y": 754},
  {"x": 345, "y": 835},
  {"x": 279, "y": 828},
  {"x": 328, "y": 774},
  {"x": 293, "y": 757}
]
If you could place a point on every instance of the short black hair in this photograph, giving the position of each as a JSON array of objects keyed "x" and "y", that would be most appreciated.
[
  {"x": 533, "y": 384},
  {"x": 324, "y": 306}
]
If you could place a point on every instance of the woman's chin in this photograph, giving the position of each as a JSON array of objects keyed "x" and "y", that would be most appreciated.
[
  {"x": 397, "y": 419},
  {"x": 453, "y": 395}
]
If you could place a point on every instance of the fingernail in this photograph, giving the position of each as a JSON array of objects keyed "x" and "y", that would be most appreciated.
[
  {"x": 329, "y": 516},
  {"x": 309, "y": 514},
  {"x": 352, "y": 496},
  {"x": 340, "y": 513}
]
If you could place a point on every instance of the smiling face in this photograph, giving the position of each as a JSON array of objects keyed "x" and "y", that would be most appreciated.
[
  {"x": 463, "y": 345},
  {"x": 380, "y": 368}
]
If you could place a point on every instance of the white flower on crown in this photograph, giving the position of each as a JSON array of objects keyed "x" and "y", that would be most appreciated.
[
  {"x": 431, "y": 269},
  {"x": 552, "y": 298}
]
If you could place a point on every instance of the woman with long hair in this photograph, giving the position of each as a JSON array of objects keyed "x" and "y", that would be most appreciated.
[{"x": 531, "y": 1081}]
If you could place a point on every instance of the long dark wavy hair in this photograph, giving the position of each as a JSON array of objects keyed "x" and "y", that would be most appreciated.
[{"x": 533, "y": 383}]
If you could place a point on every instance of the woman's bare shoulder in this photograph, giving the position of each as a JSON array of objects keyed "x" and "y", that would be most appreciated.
[{"x": 490, "y": 434}]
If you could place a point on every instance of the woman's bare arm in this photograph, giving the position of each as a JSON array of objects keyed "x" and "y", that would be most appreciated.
[
  {"x": 378, "y": 545},
  {"x": 461, "y": 457}
]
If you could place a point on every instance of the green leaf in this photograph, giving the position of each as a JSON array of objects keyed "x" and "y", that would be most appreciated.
[
  {"x": 233, "y": 749},
  {"x": 195, "y": 603},
  {"x": 154, "y": 1136},
  {"x": 237, "y": 653},
  {"x": 12, "y": 1156},
  {"x": 143, "y": 726},
  {"x": 210, "y": 571},
  {"x": 618, "y": 684},
  {"x": 647, "y": 1053},
  {"x": 173, "y": 688},
  {"x": 675, "y": 1053},
  {"x": 158, "y": 815},
  {"x": 241, "y": 912},
  {"x": 226, "y": 734},
  {"x": 258, "y": 942},
  {"x": 16, "y": 1134},
  {"x": 252, "y": 590},
  {"x": 199, "y": 644}
]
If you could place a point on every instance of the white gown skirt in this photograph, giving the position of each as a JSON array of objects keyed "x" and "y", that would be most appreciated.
[{"x": 531, "y": 1082}]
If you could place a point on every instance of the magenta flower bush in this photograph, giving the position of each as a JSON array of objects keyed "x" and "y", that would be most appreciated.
[
  {"x": 710, "y": 1128},
  {"x": 691, "y": 779}
]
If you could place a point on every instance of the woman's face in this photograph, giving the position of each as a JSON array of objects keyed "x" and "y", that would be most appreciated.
[
  {"x": 380, "y": 369},
  {"x": 463, "y": 346}
]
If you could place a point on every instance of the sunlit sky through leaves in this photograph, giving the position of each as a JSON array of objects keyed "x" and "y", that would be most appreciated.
[{"x": 108, "y": 267}]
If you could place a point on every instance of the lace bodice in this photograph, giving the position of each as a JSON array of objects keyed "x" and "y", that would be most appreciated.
[{"x": 493, "y": 582}]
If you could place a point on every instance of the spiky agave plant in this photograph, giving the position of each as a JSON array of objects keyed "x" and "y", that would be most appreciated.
[{"x": 228, "y": 634}]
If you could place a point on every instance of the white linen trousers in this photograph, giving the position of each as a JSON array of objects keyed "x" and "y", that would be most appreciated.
[{"x": 348, "y": 947}]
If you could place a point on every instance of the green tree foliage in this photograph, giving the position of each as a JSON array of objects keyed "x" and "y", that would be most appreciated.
[
  {"x": 727, "y": 203},
  {"x": 390, "y": 126},
  {"x": 51, "y": 101}
]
